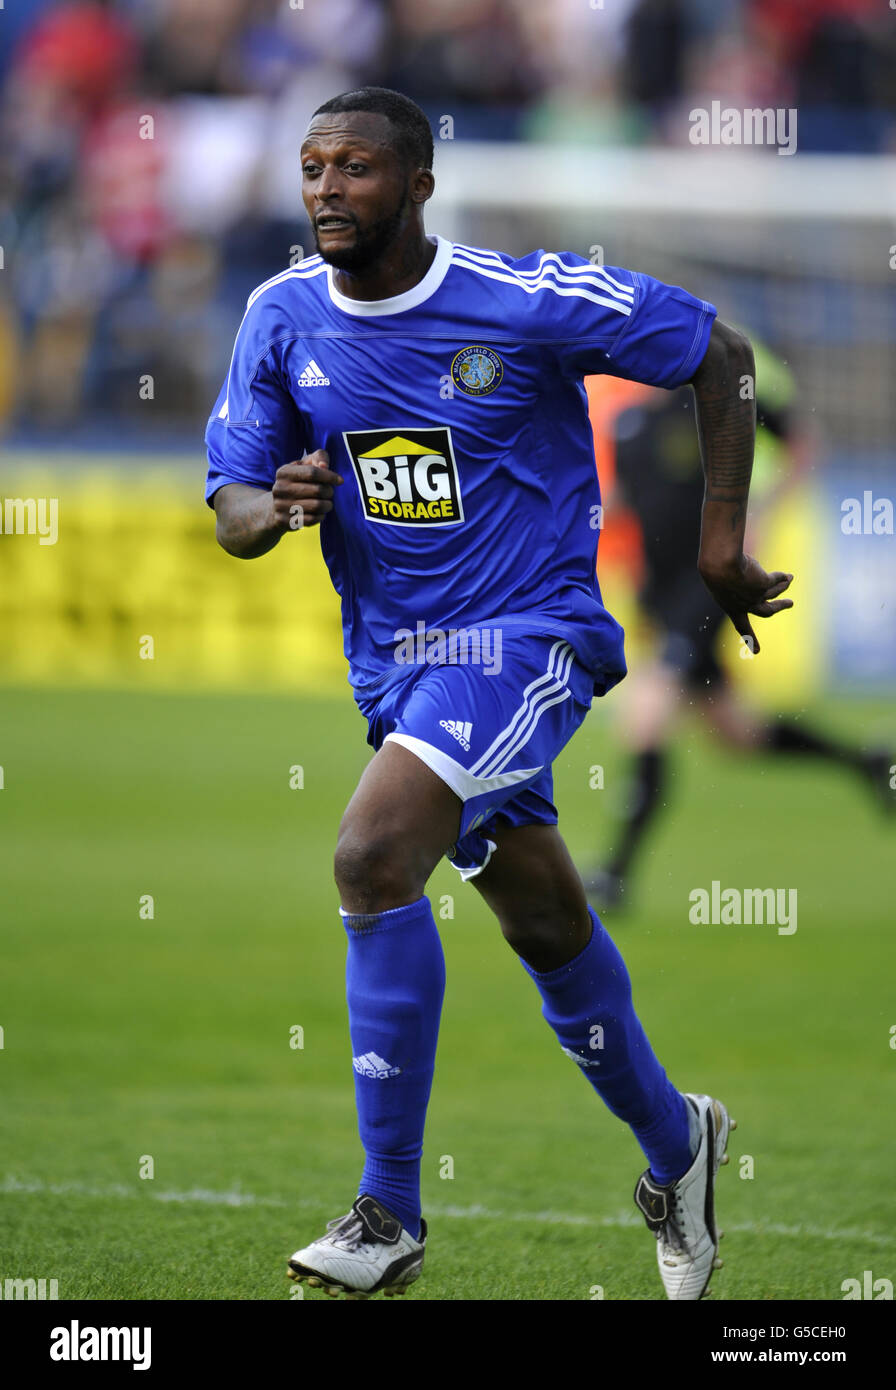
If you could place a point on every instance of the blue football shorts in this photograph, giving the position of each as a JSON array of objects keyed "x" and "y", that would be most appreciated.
[{"x": 490, "y": 731}]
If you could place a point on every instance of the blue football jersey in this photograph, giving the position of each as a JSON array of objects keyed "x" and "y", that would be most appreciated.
[{"x": 456, "y": 415}]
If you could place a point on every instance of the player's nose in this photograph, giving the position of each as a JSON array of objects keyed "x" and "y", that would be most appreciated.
[{"x": 329, "y": 185}]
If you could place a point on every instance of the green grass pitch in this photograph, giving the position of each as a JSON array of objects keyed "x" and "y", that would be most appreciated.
[{"x": 127, "y": 1039}]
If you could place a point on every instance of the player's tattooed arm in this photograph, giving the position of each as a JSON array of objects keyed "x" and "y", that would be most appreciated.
[
  {"x": 252, "y": 520},
  {"x": 245, "y": 526},
  {"x": 726, "y": 422},
  {"x": 724, "y": 386}
]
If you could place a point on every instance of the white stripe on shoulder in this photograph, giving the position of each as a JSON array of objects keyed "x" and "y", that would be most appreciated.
[
  {"x": 552, "y": 261},
  {"x": 551, "y": 273},
  {"x": 560, "y": 287},
  {"x": 305, "y": 270}
]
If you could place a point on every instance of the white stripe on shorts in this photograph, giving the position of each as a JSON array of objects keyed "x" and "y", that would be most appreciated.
[
  {"x": 536, "y": 699},
  {"x": 462, "y": 782}
]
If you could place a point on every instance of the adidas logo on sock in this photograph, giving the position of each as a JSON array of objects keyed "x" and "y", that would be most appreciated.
[
  {"x": 369, "y": 1064},
  {"x": 313, "y": 376},
  {"x": 459, "y": 730},
  {"x": 582, "y": 1061}
]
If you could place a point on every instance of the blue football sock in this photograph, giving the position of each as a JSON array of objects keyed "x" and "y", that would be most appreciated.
[
  {"x": 395, "y": 982},
  {"x": 588, "y": 1003}
]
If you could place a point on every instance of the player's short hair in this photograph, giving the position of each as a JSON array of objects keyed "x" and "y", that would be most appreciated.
[{"x": 413, "y": 134}]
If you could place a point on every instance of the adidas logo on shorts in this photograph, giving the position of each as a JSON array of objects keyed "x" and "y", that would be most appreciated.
[
  {"x": 459, "y": 730},
  {"x": 369, "y": 1064}
]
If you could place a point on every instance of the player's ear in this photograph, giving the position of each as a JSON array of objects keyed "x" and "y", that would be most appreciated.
[{"x": 422, "y": 185}]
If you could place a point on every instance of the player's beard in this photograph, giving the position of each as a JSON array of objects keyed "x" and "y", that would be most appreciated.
[{"x": 370, "y": 245}]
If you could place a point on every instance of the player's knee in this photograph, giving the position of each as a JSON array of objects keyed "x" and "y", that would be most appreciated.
[
  {"x": 374, "y": 872},
  {"x": 546, "y": 936},
  {"x": 527, "y": 935}
]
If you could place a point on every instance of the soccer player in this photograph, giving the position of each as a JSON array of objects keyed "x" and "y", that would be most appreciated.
[
  {"x": 660, "y": 479},
  {"x": 423, "y": 402}
]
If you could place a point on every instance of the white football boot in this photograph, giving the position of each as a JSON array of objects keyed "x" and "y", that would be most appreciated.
[
  {"x": 681, "y": 1214},
  {"x": 366, "y": 1252}
]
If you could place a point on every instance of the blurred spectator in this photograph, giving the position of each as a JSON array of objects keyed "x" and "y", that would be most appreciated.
[
  {"x": 149, "y": 148},
  {"x": 659, "y": 36},
  {"x": 462, "y": 53}
]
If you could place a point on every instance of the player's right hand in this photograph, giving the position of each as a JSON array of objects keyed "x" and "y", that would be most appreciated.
[
  {"x": 744, "y": 588},
  {"x": 303, "y": 491}
]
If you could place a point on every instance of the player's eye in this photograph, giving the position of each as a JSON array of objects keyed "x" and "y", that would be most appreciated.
[
  {"x": 309, "y": 170},
  {"x": 355, "y": 167}
]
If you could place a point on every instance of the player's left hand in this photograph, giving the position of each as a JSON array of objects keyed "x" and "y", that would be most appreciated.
[{"x": 744, "y": 588}]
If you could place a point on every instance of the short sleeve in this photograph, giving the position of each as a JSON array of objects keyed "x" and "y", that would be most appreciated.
[
  {"x": 255, "y": 426},
  {"x": 656, "y": 333}
]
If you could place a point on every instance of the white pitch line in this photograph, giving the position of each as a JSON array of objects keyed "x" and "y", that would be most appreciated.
[
  {"x": 203, "y": 1196},
  {"x": 11, "y": 1186}
]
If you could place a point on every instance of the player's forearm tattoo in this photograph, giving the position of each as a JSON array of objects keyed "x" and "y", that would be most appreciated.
[
  {"x": 726, "y": 437},
  {"x": 726, "y": 421},
  {"x": 242, "y": 524}
]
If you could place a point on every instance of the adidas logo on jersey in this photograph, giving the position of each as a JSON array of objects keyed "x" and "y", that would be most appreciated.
[
  {"x": 459, "y": 730},
  {"x": 313, "y": 376},
  {"x": 369, "y": 1064}
]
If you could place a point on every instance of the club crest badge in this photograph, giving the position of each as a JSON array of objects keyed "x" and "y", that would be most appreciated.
[{"x": 477, "y": 371}]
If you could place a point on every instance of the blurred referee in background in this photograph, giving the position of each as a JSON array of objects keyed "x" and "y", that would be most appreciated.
[{"x": 659, "y": 478}]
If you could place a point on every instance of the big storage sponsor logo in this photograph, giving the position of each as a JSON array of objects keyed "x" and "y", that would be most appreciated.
[{"x": 406, "y": 479}]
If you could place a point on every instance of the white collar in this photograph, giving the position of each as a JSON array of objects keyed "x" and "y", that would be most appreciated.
[{"x": 417, "y": 294}]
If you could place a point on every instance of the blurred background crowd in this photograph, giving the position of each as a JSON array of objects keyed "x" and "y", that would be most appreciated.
[
  {"x": 149, "y": 149},
  {"x": 150, "y": 179}
]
